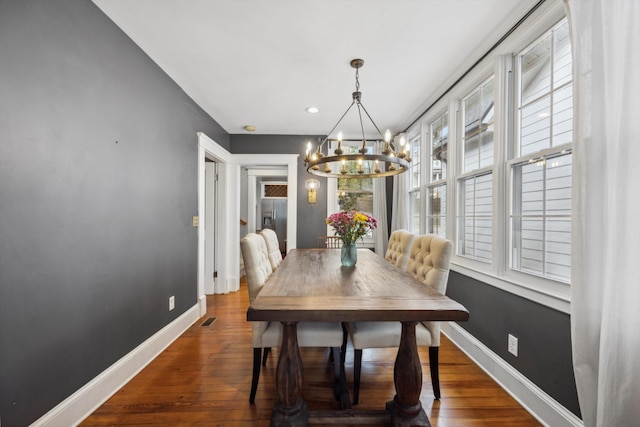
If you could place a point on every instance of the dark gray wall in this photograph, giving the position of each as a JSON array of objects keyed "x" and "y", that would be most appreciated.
[
  {"x": 98, "y": 184},
  {"x": 310, "y": 217},
  {"x": 544, "y": 335}
]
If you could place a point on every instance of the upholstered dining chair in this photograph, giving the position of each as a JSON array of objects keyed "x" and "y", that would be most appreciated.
[
  {"x": 273, "y": 247},
  {"x": 429, "y": 259},
  {"x": 399, "y": 247},
  {"x": 269, "y": 334}
]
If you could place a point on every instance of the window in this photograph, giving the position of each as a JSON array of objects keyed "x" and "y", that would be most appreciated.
[
  {"x": 541, "y": 175},
  {"x": 477, "y": 110},
  {"x": 437, "y": 190},
  {"x": 437, "y": 215},
  {"x": 476, "y": 222},
  {"x": 351, "y": 193},
  {"x": 497, "y": 164},
  {"x": 541, "y": 218},
  {"x": 414, "y": 185},
  {"x": 475, "y": 205}
]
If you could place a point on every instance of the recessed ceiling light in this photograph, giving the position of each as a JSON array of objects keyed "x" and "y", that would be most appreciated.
[
  {"x": 312, "y": 110},
  {"x": 250, "y": 128}
]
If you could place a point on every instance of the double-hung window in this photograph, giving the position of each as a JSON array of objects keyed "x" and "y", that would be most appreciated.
[
  {"x": 414, "y": 185},
  {"x": 437, "y": 187},
  {"x": 475, "y": 183},
  {"x": 540, "y": 240}
]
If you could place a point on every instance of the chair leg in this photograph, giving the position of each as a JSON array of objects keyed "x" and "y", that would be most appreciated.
[
  {"x": 336, "y": 366},
  {"x": 357, "y": 365},
  {"x": 341, "y": 389},
  {"x": 343, "y": 349},
  {"x": 435, "y": 376},
  {"x": 267, "y": 350},
  {"x": 257, "y": 353}
]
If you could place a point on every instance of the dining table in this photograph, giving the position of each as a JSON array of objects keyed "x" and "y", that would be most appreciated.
[{"x": 311, "y": 285}]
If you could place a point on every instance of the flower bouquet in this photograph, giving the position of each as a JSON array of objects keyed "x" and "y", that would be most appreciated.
[{"x": 351, "y": 226}]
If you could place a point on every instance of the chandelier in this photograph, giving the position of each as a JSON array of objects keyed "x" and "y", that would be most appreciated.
[{"x": 383, "y": 160}]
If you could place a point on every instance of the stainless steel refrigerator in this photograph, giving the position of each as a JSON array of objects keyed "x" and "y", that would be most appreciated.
[{"x": 274, "y": 216}]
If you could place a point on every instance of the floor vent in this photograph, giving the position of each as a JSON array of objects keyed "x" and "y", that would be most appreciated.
[{"x": 209, "y": 321}]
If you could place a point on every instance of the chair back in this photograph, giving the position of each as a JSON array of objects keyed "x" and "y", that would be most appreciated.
[
  {"x": 273, "y": 247},
  {"x": 399, "y": 247},
  {"x": 256, "y": 263},
  {"x": 331, "y": 242},
  {"x": 429, "y": 260}
]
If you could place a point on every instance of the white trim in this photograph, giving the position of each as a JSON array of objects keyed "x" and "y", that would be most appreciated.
[
  {"x": 542, "y": 406},
  {"x": 92, "y": 395},
  {"x": 254, "y": 209},
  {"x": 290, "y": 161},
  {"x": 555, "y": 300},
  {"x": 228, "y": 236}
]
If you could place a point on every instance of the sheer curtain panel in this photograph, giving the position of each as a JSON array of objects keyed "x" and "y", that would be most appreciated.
[
  {"x": 605, "y": 296},
  {"x": 400, "y": 207},
  {"x": 380, "y": 236}
]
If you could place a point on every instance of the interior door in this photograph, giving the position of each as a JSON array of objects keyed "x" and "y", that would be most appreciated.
[{"x": 210, "y": 227}]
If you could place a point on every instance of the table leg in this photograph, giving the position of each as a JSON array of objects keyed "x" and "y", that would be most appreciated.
[
  {"x": 406, "y": 408},
  {"x": 290, "y": 408}
]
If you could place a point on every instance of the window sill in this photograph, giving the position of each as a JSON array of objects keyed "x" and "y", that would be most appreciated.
[{"x": 554, "y": 295}]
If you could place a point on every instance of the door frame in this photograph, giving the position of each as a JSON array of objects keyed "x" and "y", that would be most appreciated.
[{"x": 227, "y": 239}]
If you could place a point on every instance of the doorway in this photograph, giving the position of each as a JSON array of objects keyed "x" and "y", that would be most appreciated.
[
  {"x": 227, "y": 218},
  {"x": 210, "y": 224}
]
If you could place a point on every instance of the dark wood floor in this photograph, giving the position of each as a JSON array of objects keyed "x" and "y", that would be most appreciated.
[{"x": 204, "y": 377}]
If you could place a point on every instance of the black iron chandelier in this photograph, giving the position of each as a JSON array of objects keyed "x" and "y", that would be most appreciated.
[{"x": 386, "y": 162}]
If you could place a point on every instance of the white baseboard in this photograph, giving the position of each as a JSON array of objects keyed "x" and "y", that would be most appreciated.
[
  {"x": 542, "y": 406},
  {"x": 87, "y": 399}
]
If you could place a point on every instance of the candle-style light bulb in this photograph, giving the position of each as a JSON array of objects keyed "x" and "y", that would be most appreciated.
[
  {"x": 343, "y": 169},
  {"x": 403, "y": 144},
  {"x": 360, "y": 166},
  {"x": 338, "y": 151},
  {"x": 387, "y": 136}
]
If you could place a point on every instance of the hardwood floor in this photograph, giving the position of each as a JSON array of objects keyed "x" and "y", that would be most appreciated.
[{"x": 204, "y": 377}]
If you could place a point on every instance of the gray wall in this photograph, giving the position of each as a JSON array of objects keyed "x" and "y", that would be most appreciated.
[
  {"x": 544, "y": 335},
  {"x": 310, "y": 217},
  {"x": 98, "y": 184}
]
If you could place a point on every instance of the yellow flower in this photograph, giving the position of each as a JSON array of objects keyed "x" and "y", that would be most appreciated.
[{"x": 361, "y": 217}]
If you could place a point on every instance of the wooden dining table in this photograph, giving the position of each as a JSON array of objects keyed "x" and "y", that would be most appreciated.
[{"x": 310, "y": 285}]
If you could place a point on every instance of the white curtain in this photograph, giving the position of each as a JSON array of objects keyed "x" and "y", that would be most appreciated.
[
  {"x": 605, "y": 279},
  {"x": 380, "y": 237},
  {"x": 400, "y": 206}
]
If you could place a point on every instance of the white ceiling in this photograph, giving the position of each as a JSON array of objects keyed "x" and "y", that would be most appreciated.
[{"x": 261, "y": 63}]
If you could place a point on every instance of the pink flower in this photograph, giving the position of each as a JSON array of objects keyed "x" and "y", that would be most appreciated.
[{"x": 351, "y": 225}]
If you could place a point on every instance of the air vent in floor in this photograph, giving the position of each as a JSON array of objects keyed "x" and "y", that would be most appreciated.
[{"x": 209, "y": 321}]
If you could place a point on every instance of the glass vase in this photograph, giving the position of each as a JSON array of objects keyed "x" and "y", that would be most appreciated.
[{"x": 349, "y": 254}]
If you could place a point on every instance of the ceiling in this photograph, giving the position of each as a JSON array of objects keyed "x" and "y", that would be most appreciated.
[{"x": 261, "y": 63}]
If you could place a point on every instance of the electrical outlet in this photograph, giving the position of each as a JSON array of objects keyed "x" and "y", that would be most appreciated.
[
  {"x": 172, "y": 302},
  {"x": 513, "y": 345}
]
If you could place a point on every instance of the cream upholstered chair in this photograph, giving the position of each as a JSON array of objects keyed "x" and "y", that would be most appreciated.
[
  {"x": 269, "y": 334},
  {"x": 398, "y": 249},
  {"x": 428, "y": 262},
  {"x": 273, "y": 247}
]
